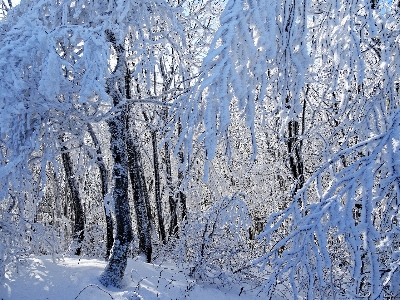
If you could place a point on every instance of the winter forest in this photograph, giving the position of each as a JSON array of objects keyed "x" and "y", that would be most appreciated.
[{"x": 253, "y": 143}]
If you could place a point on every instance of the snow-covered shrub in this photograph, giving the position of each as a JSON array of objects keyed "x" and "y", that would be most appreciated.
[
  {"x": 214, "y": 242},
  {"x": 346, "y": 242},
  {"x": 20, "y": 238},
  {"x": 13, "y": 244}
]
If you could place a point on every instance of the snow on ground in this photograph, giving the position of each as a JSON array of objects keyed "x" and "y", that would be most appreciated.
[{"x": 75, "y": 278}]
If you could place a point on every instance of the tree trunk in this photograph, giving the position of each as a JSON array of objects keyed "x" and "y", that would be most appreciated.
[
  {"x": 157, "y": 181},
  {"x": 157, "y": 187},
  {"x": 79, "y": 223},
  {"x": 173, "y": 226},
  {"x": 140, "y": 194},
  {"x": 115, "y": 269},
  {"x": 295, "y": 158},
  {"x": 104, "y": 191},
  {"x": 294, "y": 146},
  {"x": 182, "y": 195},
  {"x": 138, "y": 181},
  {"x": 167, "y": 81},
  {"x": 116, "y": 266}
]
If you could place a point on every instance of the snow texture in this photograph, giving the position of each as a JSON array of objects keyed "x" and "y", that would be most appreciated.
[{"x": 75, "y": 278}]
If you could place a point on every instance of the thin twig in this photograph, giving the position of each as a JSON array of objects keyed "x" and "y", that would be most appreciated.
[{"x": 97, "y": 287}]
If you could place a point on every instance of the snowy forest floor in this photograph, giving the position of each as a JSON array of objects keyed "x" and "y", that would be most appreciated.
[{"x": 75, "y": 278}]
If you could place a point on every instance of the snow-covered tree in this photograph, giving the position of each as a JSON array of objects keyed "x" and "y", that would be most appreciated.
[
  {"x": 326, "y": 74},
  {"x": 83, "y": 54},
  {"x": 293, "y": 104}
]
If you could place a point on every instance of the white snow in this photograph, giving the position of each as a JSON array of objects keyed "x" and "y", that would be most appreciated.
[{"x": 76, "y": 278}]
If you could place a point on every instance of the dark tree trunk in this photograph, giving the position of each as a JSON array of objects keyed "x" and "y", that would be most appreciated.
[
  {"x": 294, "y": 146},
  {"x": 140, "y": 195},
  {"x": 294, "y": 149},
  {"x": 136, "y": 173},
  {"x": 143, "y": 186},
  {"x": 173, "y": 226},
  {"x": 116, "y": 266},
  {"x": 157, "y": 181},
  {"x": 79, "y": 224},
  {"x": 167, "y": 76},
  {"x": 182, "y": 195},
  {"x": 115, "y": 269},
  {"x": 157, "y": 187},
  {"x": 104, "y": 191}
]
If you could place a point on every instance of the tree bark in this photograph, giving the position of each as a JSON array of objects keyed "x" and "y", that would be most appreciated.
[
  {"x": 157, "y": 187},
  {"x": 115, "y": 269},
  {"x": 294, "y": 146},
  {"x": 140, "y": 195},
  {"x": 157, "y": 181},
  {"x": 116, "y": 266},
  {"x": 79, "y": 223},
  {"x": 167, "y": 81},
  {"x": 182, "y": 195},
  {"x": 136, "y": 173},
  {"x": 173, "y": 225},
  {"x": 295, "y": 158},
  {"x": 104, "y": 191}
]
